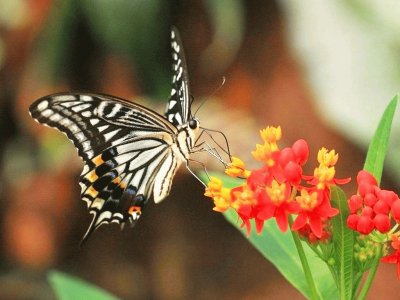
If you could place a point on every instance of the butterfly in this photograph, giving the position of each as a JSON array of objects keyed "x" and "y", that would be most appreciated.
[{"x": 130, "y": 153}]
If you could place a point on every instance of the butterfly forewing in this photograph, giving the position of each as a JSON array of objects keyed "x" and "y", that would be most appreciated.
[{"x": 178, "y": 107}]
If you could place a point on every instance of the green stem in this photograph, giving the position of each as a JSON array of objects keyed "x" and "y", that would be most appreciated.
[
  {"x": 371, "y": 274},
  {"x": 304, "y": 263}
]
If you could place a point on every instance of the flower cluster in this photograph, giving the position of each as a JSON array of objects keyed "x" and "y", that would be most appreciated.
[
  {"x": 277, "y": 189},
  {"x": 377, "y": 209},
  {"x": 372, "y": 207}
]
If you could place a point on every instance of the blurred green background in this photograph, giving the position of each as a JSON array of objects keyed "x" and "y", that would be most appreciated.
[{"x": 322, "y": 72}]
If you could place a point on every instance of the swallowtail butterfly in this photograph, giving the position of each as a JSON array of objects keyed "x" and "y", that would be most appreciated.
[{"x": 130, "y": 152}]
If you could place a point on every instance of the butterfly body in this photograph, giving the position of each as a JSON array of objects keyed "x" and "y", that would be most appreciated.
[{"x": 130, "y": 153}]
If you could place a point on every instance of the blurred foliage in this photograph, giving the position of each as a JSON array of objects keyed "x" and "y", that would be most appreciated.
[
  {"x": 124, "y": 27},
  {"x": 135, "y": 29},
  {"x": 68, "y": 287}
]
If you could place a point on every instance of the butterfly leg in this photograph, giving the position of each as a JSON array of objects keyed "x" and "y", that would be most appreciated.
[
  {"x": 207, "y": 132},
  {"x": 205, "y": 147},
  {"x": 194, "y": 174}
]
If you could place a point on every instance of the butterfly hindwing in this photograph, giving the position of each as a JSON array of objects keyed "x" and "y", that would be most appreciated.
[
  {"x": 124, "y": 177},
  {"x": 178, "y": 106}
]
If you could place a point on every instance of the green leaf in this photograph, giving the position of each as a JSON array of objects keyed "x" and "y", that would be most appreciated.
[
  {"x": 280, "y": 250},
  {"x": 378, "y": 146},
  {"x": 343, "y": 240},
  {"x": 67, "y": 287}
]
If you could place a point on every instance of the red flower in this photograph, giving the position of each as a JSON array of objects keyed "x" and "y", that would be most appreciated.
[
  {"x": 247, "y": 213},
  {"x": 277, "y": 203},
  {"x": 394, "y": 258},
  {"x": 247, "y": 205},
  {"x": 258, "y": 178},
  {"x": 307, "y": 234},
  {"x": 315, "y": 210}
]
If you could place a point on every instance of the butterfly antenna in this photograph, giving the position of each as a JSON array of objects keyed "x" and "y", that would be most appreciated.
[
  {"x": 190, "y": 105},
  {"x": 206, "y": 99}
]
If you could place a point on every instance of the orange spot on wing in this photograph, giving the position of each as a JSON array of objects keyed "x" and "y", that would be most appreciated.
[
  {"x": 117, "y": 181},
  {"x": 98, "y": 160},
  {"x": 135, "y": 209},
  {"x": 91, "y": 176},
  {"x": 92, "y": 192}
]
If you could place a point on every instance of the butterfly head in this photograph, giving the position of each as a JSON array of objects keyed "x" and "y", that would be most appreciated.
[
  {"x": 194, "y": 124},
  {"x": 187, "y": 134}
]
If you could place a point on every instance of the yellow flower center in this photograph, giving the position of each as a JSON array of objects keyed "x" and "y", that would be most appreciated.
[
  {"x": 306, "y": 200},
  {"x": 264, "y": 153},
  {"x": 324, "y": 175},
  {"x": 276, "y": 192},
  {"x": 245, "y": 197}
]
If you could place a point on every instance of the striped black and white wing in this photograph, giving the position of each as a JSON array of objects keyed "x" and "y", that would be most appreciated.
[
  {"x": 126, "y": 149},
  {"x": 178, "y": 107}
]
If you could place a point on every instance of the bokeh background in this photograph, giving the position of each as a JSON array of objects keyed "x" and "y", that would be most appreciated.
[{"x": 324, "y": 71}]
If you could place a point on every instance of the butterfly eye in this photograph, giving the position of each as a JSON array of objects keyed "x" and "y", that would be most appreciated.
[{"x": 193, "y": 124}]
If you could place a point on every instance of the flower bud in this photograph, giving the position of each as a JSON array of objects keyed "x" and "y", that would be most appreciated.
[
  {"x": 365, "y": 225},
  {"x": 355, "y": 202},
  {"x": 293, "y": 173},
  {"x": 370, "y": 199},
  {"x": 352, "y": 221},
  {"x": 365, "y": 188},
  {"x": 301, "y": 151},
  {"x": 381, "y": 207},
  {"x": 365, "y": 177},
  {"x": 388, "y": 196},
  {"x": 395, "y": 210},
  {"x": 382, "y": 223}
]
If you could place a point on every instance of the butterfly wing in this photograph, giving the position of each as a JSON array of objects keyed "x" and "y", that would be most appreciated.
[
  {"x": 126, "y": 149},
  {"x": 178, "y": 106}
]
